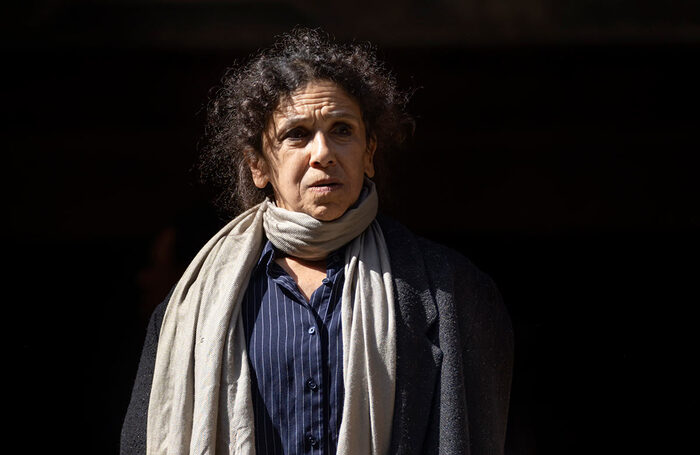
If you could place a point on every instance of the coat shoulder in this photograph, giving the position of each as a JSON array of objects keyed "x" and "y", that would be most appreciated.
[{"x": 439, "y": 262}]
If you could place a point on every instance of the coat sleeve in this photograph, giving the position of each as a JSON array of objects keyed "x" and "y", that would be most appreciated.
[
  {"x": 487, "y": 352},
  {"x": 476, "y": 338},
  {"x": 133, "y": 436}
]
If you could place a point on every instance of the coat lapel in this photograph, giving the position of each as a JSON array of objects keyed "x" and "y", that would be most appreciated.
[{"x": 418, "y": 356}]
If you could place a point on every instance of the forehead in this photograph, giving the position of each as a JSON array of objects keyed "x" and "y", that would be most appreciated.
[{"x": 317, "y": 99}]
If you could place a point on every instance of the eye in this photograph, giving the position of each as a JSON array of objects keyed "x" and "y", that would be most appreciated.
[
  {"x": 342, "y": 129},
  {"x": 296, "y": 133}
]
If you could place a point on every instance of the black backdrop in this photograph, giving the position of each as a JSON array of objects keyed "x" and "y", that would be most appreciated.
[{"x": 562, "y": 162}]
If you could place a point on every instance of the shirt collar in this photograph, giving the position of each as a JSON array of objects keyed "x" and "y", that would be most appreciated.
[
  {"x": 267, "y": 256},
  {"x": 335, "y": 260}
]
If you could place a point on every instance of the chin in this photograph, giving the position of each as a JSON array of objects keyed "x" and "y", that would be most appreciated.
[{"x": 327, "y": 213}]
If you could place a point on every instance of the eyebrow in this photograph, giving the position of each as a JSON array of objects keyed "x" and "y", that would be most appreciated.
[{"x": 289, "y": 121}]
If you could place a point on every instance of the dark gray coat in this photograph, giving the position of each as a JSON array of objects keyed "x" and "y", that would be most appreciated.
[{"x": 454, "y": 355}]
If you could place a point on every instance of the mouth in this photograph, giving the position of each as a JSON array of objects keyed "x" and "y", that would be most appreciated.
[{"x": 325, "y": 186}]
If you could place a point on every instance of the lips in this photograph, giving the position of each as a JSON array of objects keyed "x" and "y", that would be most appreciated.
[
  {"x": 325, "y": 183},
  {"x": 325, "y": 186}
]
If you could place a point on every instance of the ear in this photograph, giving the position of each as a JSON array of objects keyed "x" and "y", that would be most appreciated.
[
  {"x": 369, "y": 156},
  {"x": 258, "y": 169}
]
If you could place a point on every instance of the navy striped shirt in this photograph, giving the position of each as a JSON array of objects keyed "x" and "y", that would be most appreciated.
[{"x": 295, "y": 349}]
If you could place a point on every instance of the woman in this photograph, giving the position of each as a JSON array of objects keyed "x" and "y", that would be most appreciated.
[{"x": 309, "y": 324}]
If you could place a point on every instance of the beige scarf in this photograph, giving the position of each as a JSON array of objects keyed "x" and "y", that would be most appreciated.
[{"x": 201, "y": 400}]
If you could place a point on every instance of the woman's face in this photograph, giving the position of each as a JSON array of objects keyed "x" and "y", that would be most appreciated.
[{"x": 315, "y": 152}]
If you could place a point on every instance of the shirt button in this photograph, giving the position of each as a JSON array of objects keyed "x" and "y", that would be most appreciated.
[
  {"x": 313, "y": 441},
  {"x": 312, "y": 330},
  {"x": 326, "y": 281},
  {"x": 310, "y": 383}
]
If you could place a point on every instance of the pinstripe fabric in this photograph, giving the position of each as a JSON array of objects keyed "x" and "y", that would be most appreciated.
[{"x": 296, "y": 356}]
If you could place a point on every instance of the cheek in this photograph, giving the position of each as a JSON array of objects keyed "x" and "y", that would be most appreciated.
[{"x": 292, "y": 169}]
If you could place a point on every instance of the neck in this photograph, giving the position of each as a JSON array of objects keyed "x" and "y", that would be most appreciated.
[{"x": 307, "y": 274}]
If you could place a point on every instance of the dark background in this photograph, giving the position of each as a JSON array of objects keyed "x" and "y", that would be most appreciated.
[{"x": 555, "y": 146}]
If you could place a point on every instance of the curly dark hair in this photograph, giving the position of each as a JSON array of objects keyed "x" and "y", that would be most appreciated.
[{"x": 241, "y": 107}]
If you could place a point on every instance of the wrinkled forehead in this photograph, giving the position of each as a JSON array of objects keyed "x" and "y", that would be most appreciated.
[{"x": 317, "y": 100}]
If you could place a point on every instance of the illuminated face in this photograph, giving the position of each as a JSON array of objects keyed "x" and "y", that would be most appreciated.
[{"x": 316, "y": 152}]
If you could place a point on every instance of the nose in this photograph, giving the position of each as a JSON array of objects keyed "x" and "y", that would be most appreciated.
[{"x": 322, "y": 154}]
